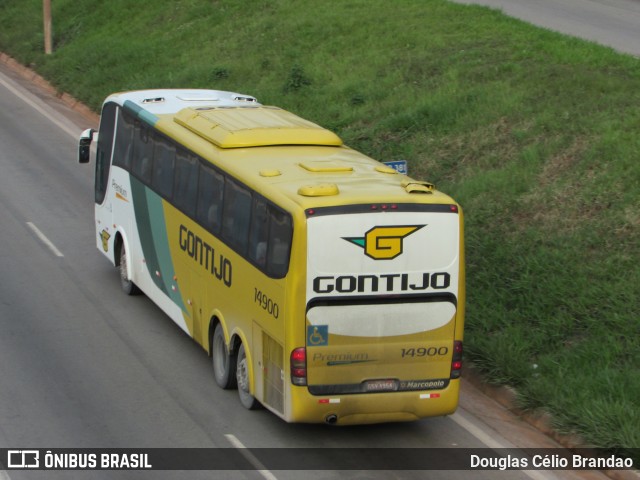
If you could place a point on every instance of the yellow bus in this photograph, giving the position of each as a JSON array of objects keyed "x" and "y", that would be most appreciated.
[{"x": 325, "y": 286}]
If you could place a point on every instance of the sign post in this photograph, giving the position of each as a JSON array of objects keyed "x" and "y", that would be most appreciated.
[{"x": 46, "y": 13}]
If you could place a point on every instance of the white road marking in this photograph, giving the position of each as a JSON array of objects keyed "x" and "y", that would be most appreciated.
[
  {"x": 260, "y": 468},
  {"x": 492, "y": 442},
  {"x": 45, "y": 240},
  {"x": 36, "y": 105},
  {"x": 477, "y": 432}
]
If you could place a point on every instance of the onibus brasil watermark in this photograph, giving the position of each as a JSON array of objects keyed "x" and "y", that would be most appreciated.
[{"x": 316, "y": 459}]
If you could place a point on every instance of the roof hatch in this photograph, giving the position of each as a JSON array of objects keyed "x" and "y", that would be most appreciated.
[
  {"x": 323, "y": 166},
  {"x": 417, "y": 186},
  {"x": 253, "y": 126},
  {"x": 324, "y": 190}
]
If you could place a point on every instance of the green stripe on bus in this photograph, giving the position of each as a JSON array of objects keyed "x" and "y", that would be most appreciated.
[
  {"x": 160, "y": 236},
  {"x": 154, "y": 240},
  {"x": 141, "y": 113}
]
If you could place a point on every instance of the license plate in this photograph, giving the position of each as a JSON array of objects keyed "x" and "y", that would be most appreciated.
[{"x": 387, "y": 385}]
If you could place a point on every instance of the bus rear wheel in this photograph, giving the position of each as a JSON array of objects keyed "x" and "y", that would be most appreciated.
[
  {"x": 242, "y": 375},
  {"x": 127, "y": 285},
  {"x": 224, "y": 363}
]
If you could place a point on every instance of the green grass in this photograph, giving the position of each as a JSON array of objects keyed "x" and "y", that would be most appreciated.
[{"x": 535, "y": 133}]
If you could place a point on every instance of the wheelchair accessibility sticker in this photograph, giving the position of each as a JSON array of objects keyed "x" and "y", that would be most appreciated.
[{"x": 317, "y": 335}]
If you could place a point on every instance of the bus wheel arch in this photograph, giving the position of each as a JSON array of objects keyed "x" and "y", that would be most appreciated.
[
  {"x": 123, "y": 262},
  {"x": 243, "y": 378},
  {"x": 223, "y": 358},
  {"x": 218, "y": 318}
]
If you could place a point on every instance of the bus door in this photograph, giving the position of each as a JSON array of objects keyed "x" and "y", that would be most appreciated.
[
  {"x": 104, "y": 207},
  {"x": 381, "y": 301}
]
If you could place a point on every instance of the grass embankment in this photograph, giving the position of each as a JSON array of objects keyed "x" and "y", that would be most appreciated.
[{"x": 535, "y": 133}]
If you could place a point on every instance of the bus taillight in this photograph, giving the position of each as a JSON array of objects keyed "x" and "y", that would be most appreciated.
[
  {"x": 456, "y": 361},
  {"x": 299, "y": 366}
]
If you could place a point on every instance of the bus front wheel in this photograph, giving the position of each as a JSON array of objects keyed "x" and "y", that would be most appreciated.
[
  {"x": 242, "y": 375},
  {"x": 224, "y": 364}
]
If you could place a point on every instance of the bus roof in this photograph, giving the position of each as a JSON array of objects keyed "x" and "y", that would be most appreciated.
[
  {"x": 166, "y": 101},
  {"x": 274, "y": 151},
  {"x": 253, "y": 126}
]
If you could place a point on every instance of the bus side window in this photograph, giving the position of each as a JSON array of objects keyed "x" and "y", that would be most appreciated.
[
  {"x": 259, "y": 233},
  {"x": 123, "y": 146},
  {"x": 210, "y": 191},
  {"x": 280, "y": 234},
  {"x": 236, "y": 216},
  {"x": 185, "y": 189},
  {"x": 163, "y": 167},
  {"x": 142, "y": 153}
]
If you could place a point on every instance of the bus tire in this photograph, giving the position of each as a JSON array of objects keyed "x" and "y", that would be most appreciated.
[
  {"x": 224, "y": 363},
  {"x": 242, "y": 375},
  {"x": 127, "y": 285}
]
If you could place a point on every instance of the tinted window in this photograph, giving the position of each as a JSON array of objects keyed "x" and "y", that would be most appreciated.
[
  {"x": 142, "y": 152},
  {"x": 185, "y": 188},
  {"x": 280, "y": 233},
  {"x": 210, "y": 192},
  {"x": 163, "y": 165},
  {"x": 259, "y": 234},
  {"x": 236, "y": 216},
  {"x": 123, "y": 147}
]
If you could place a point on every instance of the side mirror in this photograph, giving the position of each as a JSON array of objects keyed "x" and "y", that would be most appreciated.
[{"x": 84, "y": 146}]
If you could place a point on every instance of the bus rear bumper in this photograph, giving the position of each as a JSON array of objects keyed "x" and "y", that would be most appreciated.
[{"x": 373, "y": 407}]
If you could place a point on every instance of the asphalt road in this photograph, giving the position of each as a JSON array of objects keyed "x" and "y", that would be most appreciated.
[
  {"x": 614, "y": 23},
  {"x": 83, "y": 365}
]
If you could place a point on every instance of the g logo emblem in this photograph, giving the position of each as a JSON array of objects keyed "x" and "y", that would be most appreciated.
[{"x": 384, "y": 243}]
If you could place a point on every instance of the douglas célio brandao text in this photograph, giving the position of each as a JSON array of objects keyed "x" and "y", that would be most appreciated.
[{"x": 549, "y": 462}]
